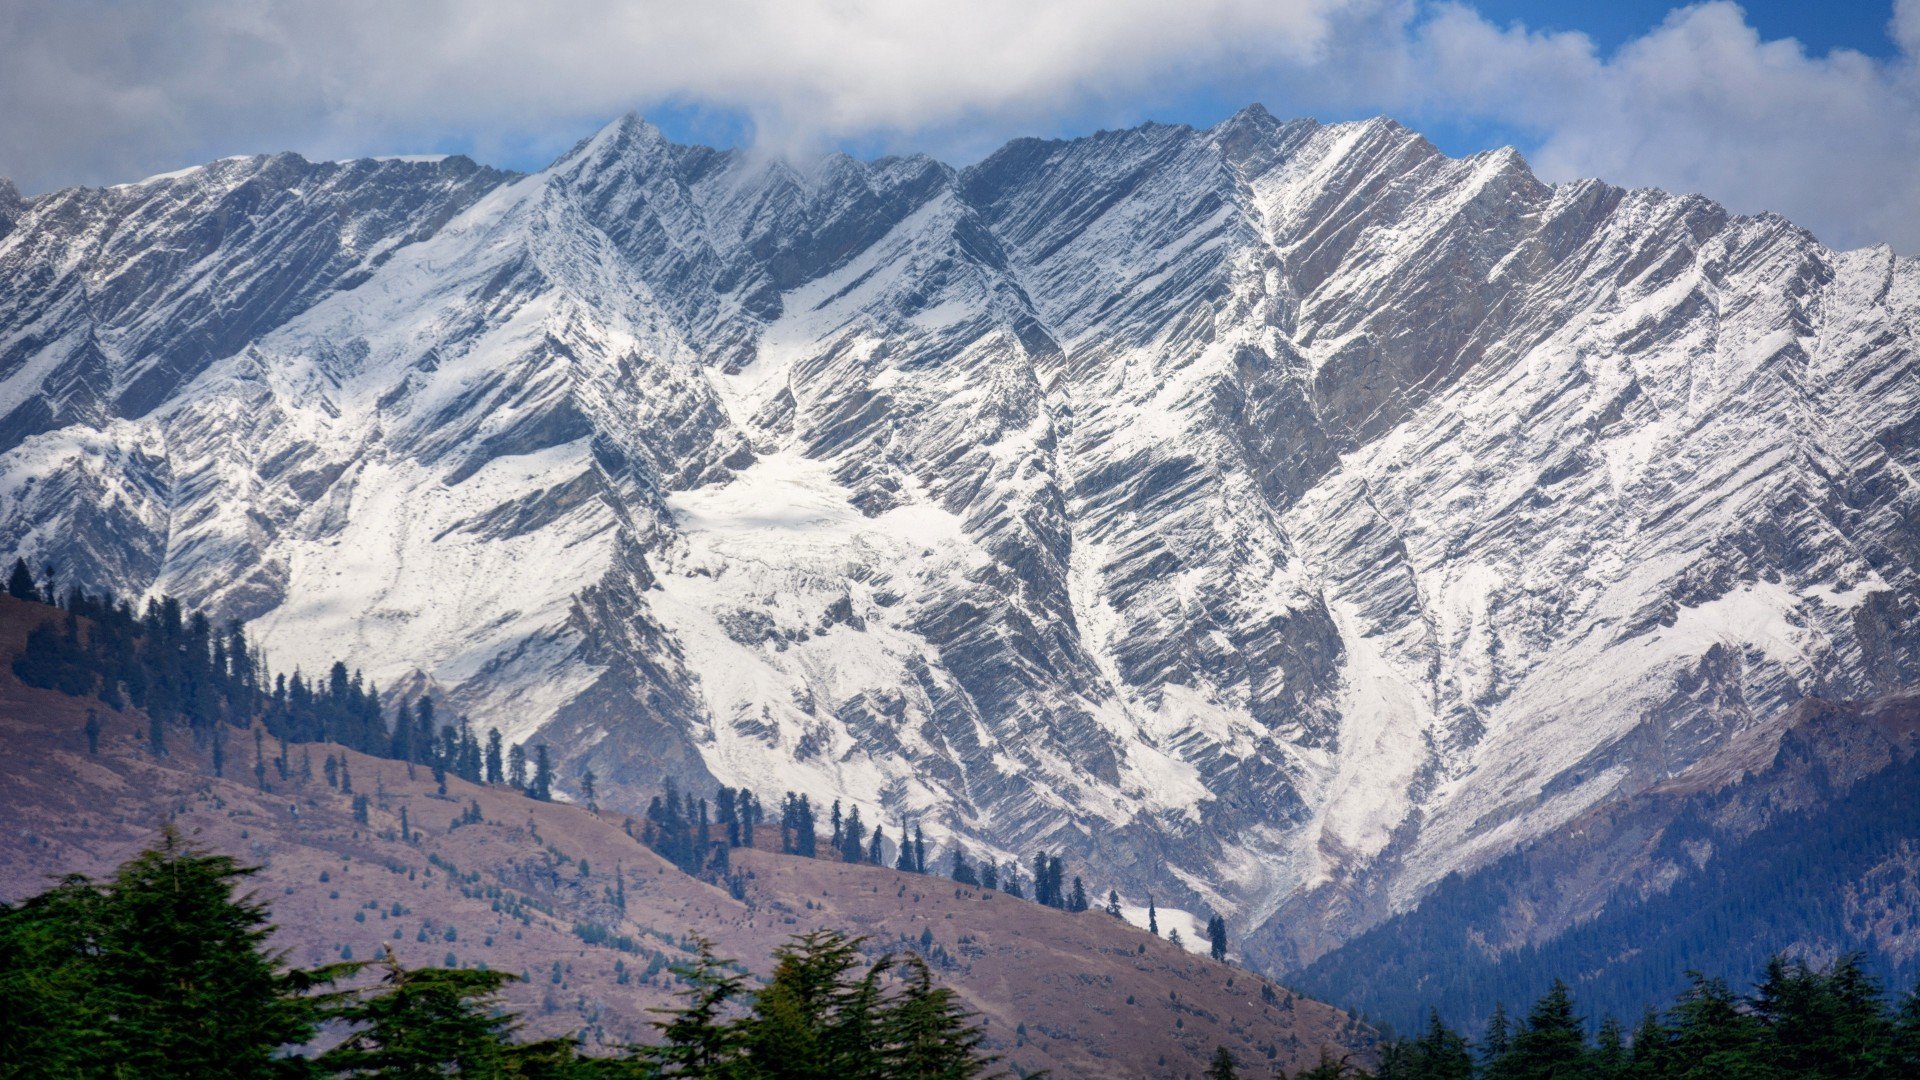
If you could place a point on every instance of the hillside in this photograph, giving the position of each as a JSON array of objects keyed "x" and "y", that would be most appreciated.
[
  {"x": 1077, "y": 994},
  {"x": 1800, "y": 837}
]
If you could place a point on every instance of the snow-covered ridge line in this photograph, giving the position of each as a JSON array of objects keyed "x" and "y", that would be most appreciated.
[{"x": 1275, "y": 516}]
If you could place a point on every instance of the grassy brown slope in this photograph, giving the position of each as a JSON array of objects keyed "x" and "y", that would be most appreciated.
[{"x": 513, "y": 888}]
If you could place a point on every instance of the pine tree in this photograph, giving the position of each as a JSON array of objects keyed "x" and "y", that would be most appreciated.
[
  {"x": 1077, "y": 899},
  {"x": 1904, "y": 1050},
  {"x": 542, "y": 786},
  {"x": 853, "y": 845},
  {"x": 1222, "y": 1067},
  {"x": 1823, "y": 1024},
  {"x": 52, "y": 996},
  {"x": 1652, "y": 1046},
  {"x": 1713, "y": 1035},
  {"x": 694, "y": 1039},
  {"x": 927, "y": 1034},
  {"x": 1553, "y": 1042},
  {"x": 815, "y": 1017},
  {"x": 1498, "y": 1040},
  {"x": 1439, "y": 1054},
  {"x": 1010, "y": 879},
  {"x": 20, "y": 584},
  {"x": 1113, "y": 903},
  {"x": 1217, "y": 938},
  {"x": 495, "y": 770},
  {"x": 1153, "y": 917},
  {"x": 586, "y": 791},
  {"x": 429, "y": 1022},
  {"x": 92, "y": 731},
  {"x": 183, "y": 960},
  {"x": 962, "y": 871},
  {"x": 517, "y": 766},
  {"x": 1610, "y": 1060}
]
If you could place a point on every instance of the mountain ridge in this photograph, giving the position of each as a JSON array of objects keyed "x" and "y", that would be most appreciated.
[{"x": 1245, "y": 507}]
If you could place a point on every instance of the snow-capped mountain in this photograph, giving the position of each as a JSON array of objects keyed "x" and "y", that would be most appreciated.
[{"x": 1277, "y": 516}]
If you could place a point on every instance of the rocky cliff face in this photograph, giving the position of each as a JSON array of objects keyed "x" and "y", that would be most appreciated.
[{"x": 1280, "y": 515}]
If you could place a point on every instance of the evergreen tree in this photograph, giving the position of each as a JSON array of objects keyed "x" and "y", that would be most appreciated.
[
  {"x": 1010, "y": 879},
  {"x": 1113, "y": 903},
  {"x": 190, "y": 986},
  {"x": 1904, "y": 1054},
  {"x": 904, "y": 861},
  {"x": 586, "y": 792},
  {"x": 1498, "y": 1040},
  {"x": 1222, "y": 1067},
  {"x": 962, "y": 870},
  {"x": 695, "y": 1041},
  {"x": 1077, "y": 898},
  {"x": 495, "y": 771},
  {"x": 1712, "y": 1036},
  {"x": 927, "y": 1034},
  {"x": 1153, "y": 917},
  {"x": 1551, "y": 1045},
  {"x": 1217, "y": 938},
  {"x": 989, "y": 874},
  {"x": 726, "y": 814},
  {"x": 815, "y": 1017},
  {"x": 20, "y": 584},
  {"x": 56, "y": 1005},
  {"x": 92, "y": 731},
  {"x": 919, "y": 851},
  {"x": 1610, "y": 1060},
  {"x": 542, "y": 786},
  {"x": 1651, "y": 1045},
  {"x": 1439, "y": 1054},
  {"x": 1824, "y": 1024},
  {"x": 428, "y": 1023},
  {"x": 853, "y": 846},
  {"x": 749, "y": 806},
  {"x": 517, "y": 766}
]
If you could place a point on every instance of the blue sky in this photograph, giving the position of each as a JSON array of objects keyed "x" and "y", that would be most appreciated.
[
  {"x": 1808, "y": 109},
  {"x": 1860, "y": 25}
]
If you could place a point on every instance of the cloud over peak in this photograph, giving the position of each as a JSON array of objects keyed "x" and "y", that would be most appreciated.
[{"x": 103, "y": 90}]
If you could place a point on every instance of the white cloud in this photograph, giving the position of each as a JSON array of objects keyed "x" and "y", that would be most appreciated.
[
  {"x": 1702, "y": 103},
  {"x": 94, "y": 86},
  {"x": 98, "y": 90}
]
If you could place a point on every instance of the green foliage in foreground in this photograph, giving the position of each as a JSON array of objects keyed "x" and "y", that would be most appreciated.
[{"x": 163, "y": 972}]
